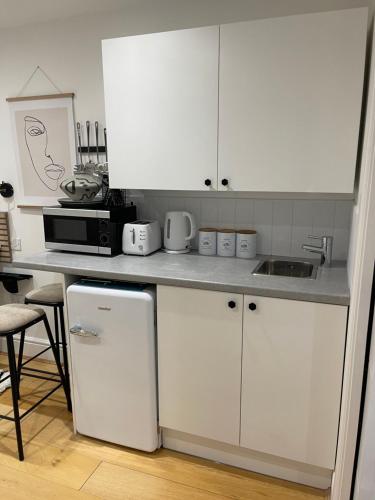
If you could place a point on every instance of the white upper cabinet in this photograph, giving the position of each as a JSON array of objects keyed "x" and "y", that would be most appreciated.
[
  {"x": 275, "y": 108},
  {"x": 161, "y": 98},
  {"x": 290, "y": 92}
]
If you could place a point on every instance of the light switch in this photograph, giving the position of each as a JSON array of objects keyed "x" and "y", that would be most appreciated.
[{"x": 16, "y": 244}]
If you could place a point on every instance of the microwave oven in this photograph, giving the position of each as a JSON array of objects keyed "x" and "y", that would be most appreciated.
[{"x": 86, "y": 230}]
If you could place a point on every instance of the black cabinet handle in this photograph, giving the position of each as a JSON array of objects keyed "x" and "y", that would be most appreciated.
[
  {"x": 231, "y": 304},
  {"x": 208, "y": 182},
  {"x": 224, "y": 182},
  {"x": 252, "y": 306},
  {"x": 6, "y": 189}
]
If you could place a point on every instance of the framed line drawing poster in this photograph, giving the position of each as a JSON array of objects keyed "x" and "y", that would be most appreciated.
[{"x": 44, "y": 142}]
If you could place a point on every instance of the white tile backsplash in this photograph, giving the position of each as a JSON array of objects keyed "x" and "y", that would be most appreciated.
[
  {"x": 209, "y": 212},
  {"x": 299, "y": 236},
  {"x": 282, "y": 225},
  {"x": 343, "y": 214},
  {"x": 244, "y": 215},
  {"x": 264, "y": 239},
  {"x": 341, "y": 239},
  {"x": 227, "y": 213},
  {"x": 263, "y": 212},
  {"x": 323, "y": 217},
  {"x": 302, "y": 226},
  {"x": 282, "y": 222},
  {"x": 303, "y": 213}
]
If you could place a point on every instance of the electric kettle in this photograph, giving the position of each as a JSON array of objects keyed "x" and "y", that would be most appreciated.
[{"x": 177, "y": 233}]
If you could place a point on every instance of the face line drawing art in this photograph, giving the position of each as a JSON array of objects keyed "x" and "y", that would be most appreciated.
[{"x": 36, "y": 139}]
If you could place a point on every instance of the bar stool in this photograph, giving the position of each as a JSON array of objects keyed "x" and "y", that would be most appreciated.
[
  {"x": 52, "y": 296},
  {"x": 14, "y": 319}
]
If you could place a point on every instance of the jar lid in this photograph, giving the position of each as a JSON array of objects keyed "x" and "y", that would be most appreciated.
[{"x": 246, "y": 231}]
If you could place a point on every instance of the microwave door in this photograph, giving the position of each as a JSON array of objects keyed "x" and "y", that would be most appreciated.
[{"x": 71, "y": 233}]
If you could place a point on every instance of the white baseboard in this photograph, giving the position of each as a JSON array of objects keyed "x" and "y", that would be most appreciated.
[
  {"x": 33, "y": 345},
  {"x": 247, "y": 459}
]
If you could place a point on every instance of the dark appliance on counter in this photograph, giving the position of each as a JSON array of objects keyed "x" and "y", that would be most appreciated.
[{"x": 87, "y": 230}]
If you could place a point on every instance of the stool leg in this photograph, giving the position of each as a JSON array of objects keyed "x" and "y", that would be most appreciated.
[
  {"x": 20, "y": 356},
  {"x": 57, "y": 339},
  {"x": 14, "y": 387},
  {"x": 65, "y": 353},
  {"x": 58, "y": 364}
]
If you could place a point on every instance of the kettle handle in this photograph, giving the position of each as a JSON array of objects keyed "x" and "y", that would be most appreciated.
[{"x": 193, "y": 227}]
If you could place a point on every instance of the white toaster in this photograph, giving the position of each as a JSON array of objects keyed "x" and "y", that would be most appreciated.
[{"x": 141, "y": 237}]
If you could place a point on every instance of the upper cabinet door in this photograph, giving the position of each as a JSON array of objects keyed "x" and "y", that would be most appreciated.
[
  {"x": 161, "y": 98},
  {"x": 290, "y": 102}
]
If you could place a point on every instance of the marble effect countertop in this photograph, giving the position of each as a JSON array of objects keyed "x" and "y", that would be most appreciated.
[{"x": 197, "y": 271}]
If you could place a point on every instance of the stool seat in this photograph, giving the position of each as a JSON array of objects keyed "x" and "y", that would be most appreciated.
[
  {"x": 49, "y": 294},
  {"x": 16, "y": 316}
]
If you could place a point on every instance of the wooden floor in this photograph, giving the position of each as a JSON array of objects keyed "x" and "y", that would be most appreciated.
[{"x": 61, "y": 465}]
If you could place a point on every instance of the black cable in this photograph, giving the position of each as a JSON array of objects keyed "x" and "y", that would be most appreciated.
[{"x": 364, "y": 385}]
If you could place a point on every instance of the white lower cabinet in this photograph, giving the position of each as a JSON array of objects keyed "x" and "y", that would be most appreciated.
[
  {"x": 293, "y": 355},
  {"x": 286, "y": 400},
  {"x": 199, "y": 358}
]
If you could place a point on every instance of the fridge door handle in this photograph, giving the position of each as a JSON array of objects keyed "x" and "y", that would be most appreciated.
[{"x": 77, "y": 330}]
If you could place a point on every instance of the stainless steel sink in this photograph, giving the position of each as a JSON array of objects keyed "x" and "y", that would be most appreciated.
[{"x": 289, "y": 268}]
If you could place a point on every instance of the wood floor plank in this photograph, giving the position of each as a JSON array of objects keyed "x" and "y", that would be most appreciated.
[
  {"x": 112, "y": 482},
  {"x": 216, "y": 478},
  {"x": 61, "y": 434},
  {"x": 38, "y": 419},
  {"x": 62, "y": 466},
  {"x": 33, "y": 424},
  {"x": 17, "y": 485}
]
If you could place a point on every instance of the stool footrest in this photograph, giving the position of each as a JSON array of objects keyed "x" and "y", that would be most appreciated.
[
  {"x": 36, "y": 356},
  {"x": 29, "y": 410},
  {"x": 23, "y": 368},
  {"x": 40, "y": 377},
  {"x": 40, "y": 371}
]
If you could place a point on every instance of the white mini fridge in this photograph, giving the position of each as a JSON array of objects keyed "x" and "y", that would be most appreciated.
[{"x": 112, "y": 344}]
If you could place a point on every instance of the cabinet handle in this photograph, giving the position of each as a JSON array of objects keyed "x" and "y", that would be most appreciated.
[
  {"x": 252, "y": 306},
  {"x": 231, "y": 304},
  {"x": 224, "y": 182},
  {"x": 208, "y": 182}
]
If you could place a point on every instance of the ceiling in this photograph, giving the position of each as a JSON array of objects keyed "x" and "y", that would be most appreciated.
[
  {"x": 15, "y": 13},
  {"x": 22, "y": 12}
]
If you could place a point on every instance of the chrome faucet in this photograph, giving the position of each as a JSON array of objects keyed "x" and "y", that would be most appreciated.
[{"x": 325, "y": 250}]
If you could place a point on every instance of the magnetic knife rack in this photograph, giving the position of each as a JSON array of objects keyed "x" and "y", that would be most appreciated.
[{"x": 92, "y": 150}]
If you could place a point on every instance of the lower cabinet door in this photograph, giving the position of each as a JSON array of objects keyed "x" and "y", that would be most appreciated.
[
  {"x": 199, "y": 362},
  {"x": 293, "y": 355}
]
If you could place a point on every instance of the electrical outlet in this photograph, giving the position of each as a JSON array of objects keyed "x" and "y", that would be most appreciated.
[{"x": 16, "y": 244}]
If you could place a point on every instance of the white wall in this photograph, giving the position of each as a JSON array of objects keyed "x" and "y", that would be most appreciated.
[{"x": 70, "y": 52}]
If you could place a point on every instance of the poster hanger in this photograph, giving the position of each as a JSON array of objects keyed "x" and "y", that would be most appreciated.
[{"x": 19, "y": 97}]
